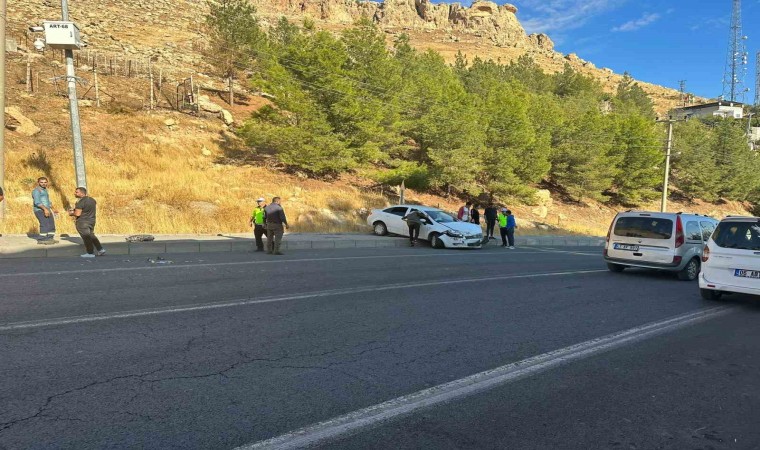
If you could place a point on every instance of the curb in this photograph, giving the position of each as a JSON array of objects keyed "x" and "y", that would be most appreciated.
[{"x": 246, "y": 245}]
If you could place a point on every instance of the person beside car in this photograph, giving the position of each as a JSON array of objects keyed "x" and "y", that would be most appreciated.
[
  {"x": 475, "y": 215},
  {"x": 464, "y": 212},
  {"x": 503, "y": 218},
  {"x": 491, "y": 214},
  {"x": 511, "y": 225},
  {"x": 414, "y": 220}
]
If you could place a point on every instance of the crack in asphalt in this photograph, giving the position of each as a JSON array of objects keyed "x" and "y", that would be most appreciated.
[
  {"x": 6, "y": 425},
  {"x": 350, "y": 355}
]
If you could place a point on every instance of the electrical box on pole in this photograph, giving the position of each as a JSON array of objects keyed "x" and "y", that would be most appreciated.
[{"x": 62, "y": 35}]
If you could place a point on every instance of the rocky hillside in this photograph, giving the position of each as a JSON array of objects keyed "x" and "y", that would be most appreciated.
[
  {"x": 484, "y": 29},
  {"x": 170, "y": 32}
]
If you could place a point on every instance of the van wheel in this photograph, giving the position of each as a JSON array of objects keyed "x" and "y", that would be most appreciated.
[
  {"x": 710, "y": 294},
  {"x": 436, "y": 241},
  {"x": 690, "y": 272},
  {"x": 380, "y": 229},
  {"x": 617, "y": 268}
]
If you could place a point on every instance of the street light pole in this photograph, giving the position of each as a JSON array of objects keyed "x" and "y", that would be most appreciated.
[{"x": 76, "y": 130}]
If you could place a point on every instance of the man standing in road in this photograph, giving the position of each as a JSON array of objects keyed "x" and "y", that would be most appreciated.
[
  {"x": 84, "y": 214},
  {"x": 257, "y": 222},
  {"x": 503, "y": 220},
  {"x": 43, "y": 209},
  {"x": 276, "y": 223},
  {"x": 511, "y": 225},
  {"x": 491, "y": 214},
  {"x": 414, "y": 221},
  {"x": 464, "y": 212}
]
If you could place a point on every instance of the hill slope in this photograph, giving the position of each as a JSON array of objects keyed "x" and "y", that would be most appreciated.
[{"x": 166, "y": 171}]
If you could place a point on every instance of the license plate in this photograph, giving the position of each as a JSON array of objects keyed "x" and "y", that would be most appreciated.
[
  {"x": 628, "y": 247},
  {"x": 747, "y": 273}
]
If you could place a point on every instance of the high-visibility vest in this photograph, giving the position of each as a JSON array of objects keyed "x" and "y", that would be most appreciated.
[
  {"x": 258, "y": 215},
  {"x": 502, "y": 220}
]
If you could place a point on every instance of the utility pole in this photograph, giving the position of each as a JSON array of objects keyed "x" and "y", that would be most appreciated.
[
  {"x": 757, "y": 80},
  {"x": 668, "y": 151},
  {"x": 76, "y": 129},
  {"x": 666, "y": 176},
  {"x": 2, "y": 103}
]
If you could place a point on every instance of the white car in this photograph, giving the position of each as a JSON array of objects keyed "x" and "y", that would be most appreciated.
[
  {"x": 445, "y": 231},
  {"x": 731, "y": 259}
]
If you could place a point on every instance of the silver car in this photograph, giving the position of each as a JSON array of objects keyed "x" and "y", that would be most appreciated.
[{"x": 654, "y": 240}]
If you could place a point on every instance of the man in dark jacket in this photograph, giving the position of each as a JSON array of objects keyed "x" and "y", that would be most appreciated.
[
  {"x": 491, "y": 212},
  {"x": 84, "y": 212},
  {"x": 276, "y": 223},
  {"x": 415, "y": 220}
]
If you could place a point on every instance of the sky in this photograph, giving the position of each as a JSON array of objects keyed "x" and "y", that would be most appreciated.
[{"x": 658, "y": 41}]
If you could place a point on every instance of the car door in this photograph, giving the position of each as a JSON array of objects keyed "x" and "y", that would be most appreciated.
[
  {"x": 642, "y": 237},
  {"x": 693, "y": 239},
  {"x": 394, "y": 218},
  {"x": 734, "y": 259}
]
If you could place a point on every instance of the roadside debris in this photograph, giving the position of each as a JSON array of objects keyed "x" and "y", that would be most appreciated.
[{"x": 160, "y": 260}]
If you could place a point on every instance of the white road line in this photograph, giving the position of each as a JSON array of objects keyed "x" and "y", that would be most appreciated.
[
  {"x": 374, "y": 415},
  {"x": 236, "y": 263},
  {"x": 254, "y": 301},
  {"x": 554, "y": 250}
]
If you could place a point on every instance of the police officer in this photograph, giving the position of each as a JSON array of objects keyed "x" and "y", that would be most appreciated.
[{"x": 257, "y": 222}]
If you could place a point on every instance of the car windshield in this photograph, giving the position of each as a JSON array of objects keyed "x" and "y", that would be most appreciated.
[
  {"x": 440, "y": 216},
  {"x": 738, "y": 235},
  {"x": 644, "y": 227}
]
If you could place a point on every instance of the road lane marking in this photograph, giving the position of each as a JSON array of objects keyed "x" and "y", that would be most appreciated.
[
  {"x": 554, "y": 250},
  {"x": 480, "y": 382},
  {"x": 236, "y": 263},
  {"x": 254, "y": 301}
]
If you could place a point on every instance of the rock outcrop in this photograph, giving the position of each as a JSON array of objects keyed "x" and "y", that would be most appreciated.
[{"x": 484, "y": 18}]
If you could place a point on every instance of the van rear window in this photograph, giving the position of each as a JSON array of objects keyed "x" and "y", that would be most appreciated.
[
  {"x": 739, "y": 235},
  {"x": 644, "y": 227}
]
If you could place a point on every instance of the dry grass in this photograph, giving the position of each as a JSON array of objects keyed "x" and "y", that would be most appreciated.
[{"x": 149, "y": 178}]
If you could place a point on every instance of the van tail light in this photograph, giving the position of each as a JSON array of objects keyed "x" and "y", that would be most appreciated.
[
  {"x": 705, "y": 254},
  {"x": 679, "y": 232},
  {"x": 609, "y": 233}
]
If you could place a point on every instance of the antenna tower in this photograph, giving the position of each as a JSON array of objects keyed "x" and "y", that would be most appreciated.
[
  {"x": 736, "y": 60},
  {"x": 682, "y": 90},
  {"x": 757, "y": 79}
]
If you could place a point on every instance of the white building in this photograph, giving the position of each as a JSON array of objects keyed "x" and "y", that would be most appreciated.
[{"x": 734, "y": 110}]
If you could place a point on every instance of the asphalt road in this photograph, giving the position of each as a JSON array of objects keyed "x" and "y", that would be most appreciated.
[{"x": 227, "y": 350}]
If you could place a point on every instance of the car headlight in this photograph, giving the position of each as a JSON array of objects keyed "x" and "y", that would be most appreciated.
[{"x": 454, "y": 234}]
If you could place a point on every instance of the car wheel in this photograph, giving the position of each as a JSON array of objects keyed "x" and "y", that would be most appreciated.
[
  {"x": 617, "y": 268},
  {"x": 710, "y": 294},
  {"x": 380, "y": 229},
  {"x": 690, "y": 272},
  {"x": 436, "y": 242}
]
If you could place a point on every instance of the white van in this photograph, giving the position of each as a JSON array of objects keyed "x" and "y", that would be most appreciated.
[
  {"x": 731, "y": 259},
  {"x": 655, "y": 240}
]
